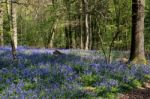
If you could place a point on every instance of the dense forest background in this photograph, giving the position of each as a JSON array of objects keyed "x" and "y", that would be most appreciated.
[
  {"x": 76, "y": 24},
  {"x": 73, "y": 23}
]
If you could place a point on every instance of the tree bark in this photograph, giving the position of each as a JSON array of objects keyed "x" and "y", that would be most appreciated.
[
  {"x": 14, "y": 22},
  {"x": 67, "y": 37},
  {"x": 85, "y": 6},
  {"x": 12, "y": 13},
  {"x": 1, "y": 25},
  {"x": 137, "y": 54},
  {"x": 90, "y": 32},
  {"x": 50, "y": 44},
  {"x": 81, "y": 28}
]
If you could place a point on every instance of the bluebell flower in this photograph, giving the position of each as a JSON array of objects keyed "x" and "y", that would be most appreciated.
[
  {"x": 5, "y": 70},
  {"x": 1, "y": 79},
  {"x": 8, "y": 81},
  {"x": 14, "y": 70},
  {"x": 19, "y": 90},
  {"x": 126, "y": 79},
  {"x": 113, "y": 82},
  {"x": 53, "y": 97},
  {"x": 26, "y": 72},
  {"x": 20, "y": 84},
  {"x": 22, "y": 96},
  {"x": 21, "y": 66}
]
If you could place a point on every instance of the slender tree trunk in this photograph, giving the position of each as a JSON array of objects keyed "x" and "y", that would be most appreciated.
[
  {"x": 137, "y": 54},
  {"x": 75, "y": 34},
  {"x": 50, "y": 44},
  {"x": 86, "y": 24},
  {"x": 81, "y": 31},
  {"x": 90, "y": 32},
  {"x": 70, "y": 31},
  {"x": 94, "y": 33},
  {"x": 52, "y": 39},
  {"x": 67, "y": 37},
  {"x": 87, "y": 32},
  {"x": 1, "y": 26},
  {"x": 81, "y": 26},
  {"x": 75, "y": 38},
  {"x": 13, "y": 25},
  {"x": 85, "y": 6},
  {"x": 14, "y": 22}
]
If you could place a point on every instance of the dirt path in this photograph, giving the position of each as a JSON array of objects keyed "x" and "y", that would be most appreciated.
[{"x": 141, "y": 93}]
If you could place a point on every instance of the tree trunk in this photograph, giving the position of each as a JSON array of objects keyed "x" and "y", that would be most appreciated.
[
  {"x": 67, "y": 37},
  {"x": 50, "y": 44},
  {"x": 85, "y": 6},
  {"x": 14, "y": 22},
  {"x": 137, "y": 54},
  {"x": 13, "y": 25},
  {"x": 70, "y": 31},
  {"x": 90, "y": 32},
  {"x": 1, "y": 26},
  {"x": 52, "y": 39},
  {"x": 81, "y": 31}
]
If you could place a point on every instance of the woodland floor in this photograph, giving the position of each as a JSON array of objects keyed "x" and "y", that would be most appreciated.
[{"x": 140, "y": 93}]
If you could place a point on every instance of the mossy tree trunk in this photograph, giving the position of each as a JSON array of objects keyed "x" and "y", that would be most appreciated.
[{"x": 137, "y": 54}]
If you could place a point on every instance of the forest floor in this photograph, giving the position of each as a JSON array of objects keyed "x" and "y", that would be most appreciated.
[
  {"x": 70, "y": 74},
  {"x": 140, "y": 93}
]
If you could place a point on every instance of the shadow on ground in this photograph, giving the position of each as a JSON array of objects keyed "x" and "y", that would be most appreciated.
[{"x": 141, "y": 93}]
